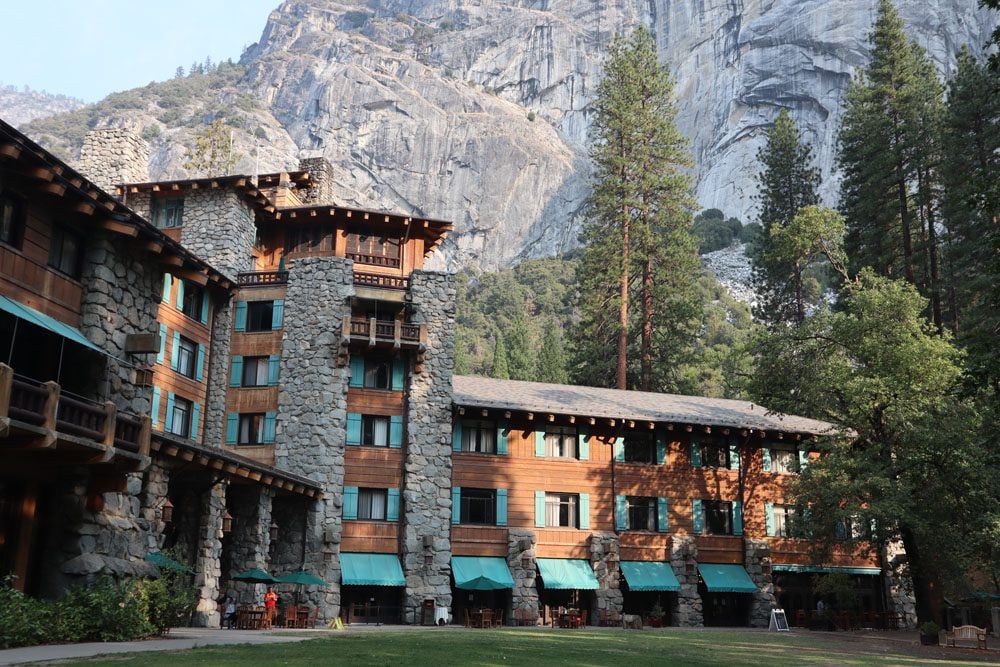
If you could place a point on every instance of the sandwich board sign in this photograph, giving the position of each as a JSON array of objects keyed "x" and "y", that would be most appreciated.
[{"x": 779, "y": 623}]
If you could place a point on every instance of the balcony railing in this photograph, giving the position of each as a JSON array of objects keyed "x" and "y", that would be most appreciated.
[
  {"x": 374, "y": 260},
  {"x": 381, "y": 280},
  {"x": 362, "y": 328},
  {"x": 80, "y": 417},
  {"x": 262, "y": 278}
]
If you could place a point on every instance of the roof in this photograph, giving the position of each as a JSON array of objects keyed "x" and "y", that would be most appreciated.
[
  {"x": 257, "y": 191},
  {"x": 559, "y": 399}
]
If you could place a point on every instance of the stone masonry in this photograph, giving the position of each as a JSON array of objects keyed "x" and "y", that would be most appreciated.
[
  {"x": 522, "y": 565},
  {"x": 426, "y": 534},
  {"x": 687, "y": 612},
  {"x": 605, "y": 554},
  {"x": 320, "y": 190},
  {"x": 218, "y": 375},
  {"x": 312, "y": 404},
  {"x": 250, "y": 508},
  {"x": 219, "y": 228},
  {"x": 900, "y": 586},
  {"x": 113, "y": 156},
  {"x": 758, "y": 566},
  {"x": 207, "y": 556}
]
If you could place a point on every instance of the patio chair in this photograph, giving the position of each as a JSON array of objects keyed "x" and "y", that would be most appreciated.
[
  {"x": 313, "y": 618},
  {"x": 468, "y": 621},
  {"x": 291, "y": 616},
  {"x": 498, "y": 618},
  {"x": 487, "y": 619},
  {"x": 582, "y": 619}
]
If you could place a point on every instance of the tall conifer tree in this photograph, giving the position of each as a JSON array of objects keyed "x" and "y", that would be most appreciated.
[
  {"x": 520, "y": 354},
  {"x": 501, "y": 366},
  {"x": 551, "y": 357}
]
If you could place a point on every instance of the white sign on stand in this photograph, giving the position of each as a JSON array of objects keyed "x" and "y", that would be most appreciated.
[{"x": 779, "y": 623}]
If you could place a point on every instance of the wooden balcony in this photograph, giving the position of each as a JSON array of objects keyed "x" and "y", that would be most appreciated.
[
  {"x": 374, "y": 260},
  {"x": 381, "y": 281},
  {"x": 262, "y": 278},
  {"x": 377, "y": 332}
]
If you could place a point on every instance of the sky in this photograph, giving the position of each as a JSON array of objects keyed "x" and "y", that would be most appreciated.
[{"x": 89, "y": 48}]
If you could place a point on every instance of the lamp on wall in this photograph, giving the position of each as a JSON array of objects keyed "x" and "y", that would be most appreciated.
[
  {"x": 328, "y": 554},
  {"x": 526, "y": 562},
  {"x": 167, "y": 511},
  {"x": 227, "y": 522},
  {"x": 272, "y": 531}
]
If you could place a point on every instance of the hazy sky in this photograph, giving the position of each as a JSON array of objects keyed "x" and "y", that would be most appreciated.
[{"x": 89, "y": 48}]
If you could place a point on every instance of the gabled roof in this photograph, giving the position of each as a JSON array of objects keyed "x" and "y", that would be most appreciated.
[
  {"x": 256, "y": 191},
  {"x": 558, "y": 399}
]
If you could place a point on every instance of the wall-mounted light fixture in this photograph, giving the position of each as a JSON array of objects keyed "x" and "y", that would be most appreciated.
[{"x": 227, "y": 522}]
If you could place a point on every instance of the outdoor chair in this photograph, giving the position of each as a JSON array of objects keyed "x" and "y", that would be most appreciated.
[
  {"x": 291, "y": 616},
  {"x": 582, "y": 619},
  {"x": 487, "y": 619},
  {"x": 498, "y": 618},
  {"x": 468, "y": 621}
]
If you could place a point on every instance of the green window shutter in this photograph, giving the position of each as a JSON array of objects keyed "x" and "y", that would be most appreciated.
[
  {"x": 241, "y": 316},
  {"x": 619, "y": 450},
  {"x": 195, "y": 418},
  {"x": 539, "y": 509},
  {"x": 350, "y": 503},
  {"x": 392, "y": 506},
  {"x": 662, "y": 517},
  {"x": 396, "y": 431},
  {"x": 583, "y": 444},
  {"x": 168, "y": 419},
  {"x": 456, "y": 504},
  {"x": 357, "y": 371},
  {"x": 695, "y": 453},
  {"x": 840, "y": 529},
  {"x": 232, "y": 428},
  {"x": 179, "y": 304},
  {"x": 621, "y": 513},
  {"x": 163, "y": 344},
  {"x": 270, "y": 427},
  {"x": 273, "y": 369},
  {"x": 236, "y": 372},
  {"x": 501, "y": 507},
  {"x": 277, "y": 314},
  {"x": 200, "y": 363},
  {"x": 398, "y": 369},
  {"x": 154, "y": 413},
  {"x": 204, "y": 307},
  {"x": 353, "y": 428},
  {"x": 737, "y": 517},
  {"x": 456, "y": 435},
  {"x": 661, "y": 448},
  {"x": 803, "y": 459},
  {"x": 539, "y": 443},
  {"x": 167, "y": 280},
  {"x": 175, "y": 351},
  {"x": 697, "y": 519},
  {"x": 584, "y": 507},
  {"x": 766, "y": 454},
  {"x": 734, "y": 457},
  {"x": 769, "y": 518},
  {"x": 502, "y": 441}
]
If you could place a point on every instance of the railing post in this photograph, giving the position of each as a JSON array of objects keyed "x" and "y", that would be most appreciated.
[
  {"x": 6, "y": 386},
  {"x": 371, "y": 332},
  {"x": 145, "y": 435},
  {"x": 110, "y": 423},
  {"x": 51, "y": 406},
  {"x": 397, "y": 333}
]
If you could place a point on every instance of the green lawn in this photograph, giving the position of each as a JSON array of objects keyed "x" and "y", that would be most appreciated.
[{"x": 597, "y": 648}]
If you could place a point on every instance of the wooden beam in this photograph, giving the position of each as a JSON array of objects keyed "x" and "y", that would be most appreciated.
[
  {"x": 12, "y": 151},
  {"x": 122, "y": 228},
  {"x": 486, "y": 413},
  {"x": 612, "y": 422},
  {"x": 631, "y": 424},
  {"x": 461, "y": 411},
  {"x": 572, "y": 419},
  {"x": 42, "y": 173},
  {"x": 506, "y": 414},
  {"x": 707, "y": 429},
  {"x": 217, "y": 464},
  {"x": 154, "y": 247},
  {"x": 175, "y": 187},
  {"x": 172, "y": 260},
  {"x": 85, "y": 208},
  {"x": 196, "y": 277},
  {"x": 670, "y": 427},
  {"x": 725, "y": 431},
  {"x": 743, "y": 433},
  {"x": 591, "y": 421},
  {"x": 688, "y": 428},
  {"x": 54, "y": 188},
  {"x": 551, "y": 418},
  {"x": 531, "y": 416}
]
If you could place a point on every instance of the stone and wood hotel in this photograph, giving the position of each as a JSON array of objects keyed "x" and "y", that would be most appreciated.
[{"x": 240, "y": 370}]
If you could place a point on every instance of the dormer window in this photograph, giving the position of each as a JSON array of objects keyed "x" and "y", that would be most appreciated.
[{"x": 167, "y": 212}]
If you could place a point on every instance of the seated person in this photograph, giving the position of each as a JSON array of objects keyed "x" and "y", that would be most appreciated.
[{"x": 229, "y": 613}]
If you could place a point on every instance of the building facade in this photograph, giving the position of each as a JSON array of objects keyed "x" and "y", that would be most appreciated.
[{"x": 270, "y": 378}]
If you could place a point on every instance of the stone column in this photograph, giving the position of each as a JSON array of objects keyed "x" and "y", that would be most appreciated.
[
  {"x": 112, "y": 156},
  {"x": 758, "y": 565},
  {"x": 426, "y": 534},
  {"x": 209, "y": 552},
  {"x": 320, "y": 190},
  {"x": 605, "y": 554},
  {"x": 155, "y": 493},
  {"x": 900, "y": 586},
  {"x": 523, "y": 569},
  {"x": 312, "y": 406},
  {"x": 251, "y": 536},
  {"x": 687, "y": 611},
  {"x": 219, "y": 228},
  {"x": 218, "y": 377}
]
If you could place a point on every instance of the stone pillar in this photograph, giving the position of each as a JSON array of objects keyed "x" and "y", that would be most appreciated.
[
  {"x": 900, "y": 587},
  {"x": 312, "y": 406},
  {"x": 426, "y": 538},
  {"x": 155, "y": 493},
  {"x": 320, "y": 190},
  {"x": 758, "y": 565},
  {"x": 605, "y": 554},
  {"x": 523, "y": 569},
  {"x": 213, "y": 434},
  {"x": 209, "y": 552},
  {"x": 251, "y": 535},
  {"x": 219, "y": 228},
  {"x": 687, "y": 611},
  {"x": 113, "y": 156}
]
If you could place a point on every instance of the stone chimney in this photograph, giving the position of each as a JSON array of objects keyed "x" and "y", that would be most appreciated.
[
  {"x": 113, "y": 156},
  {"x": 321, "y": 177}
]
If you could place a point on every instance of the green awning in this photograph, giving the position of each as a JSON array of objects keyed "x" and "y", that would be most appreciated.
[
  {"x": 823, "y": 569},
  {"x": 371, "y": 570},
  {"x": 649, "y": 576},
  {"x": 480, "y": 573},
  {"x": 565, "y": 573},
  {"x": 726, "y": 578},
  {"x": 166, "y": 563},
  {"x": 44, "y": 321}
]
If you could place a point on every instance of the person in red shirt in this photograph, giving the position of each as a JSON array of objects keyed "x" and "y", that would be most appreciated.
[{"x": 270, "y": 605}]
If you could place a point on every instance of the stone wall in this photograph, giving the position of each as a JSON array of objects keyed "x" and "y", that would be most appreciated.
[
  {"x": 207, "y": 557},
  {"x": 605, "y": 554},
  {"x": 219, "y": 228},
  {"x": 250, "y": 538},
  {"x": 758, "y": 566},
  {"x": 113, "y": 156},
  {"x": 898, "y": 583},
  {"x": 312, "y": 405},
  {"x": 427, "y": 463},
  {"x": 523, "y": 569},
  {"x": 321, "y": 178},
  {"x": 218, "y": 375},
  {"x": 688, "y": 610}
]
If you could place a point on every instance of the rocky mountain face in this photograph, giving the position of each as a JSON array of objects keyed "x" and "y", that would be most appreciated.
[
  {"x": 23, "y": 105},
  {"x": 477, "y": 111}
]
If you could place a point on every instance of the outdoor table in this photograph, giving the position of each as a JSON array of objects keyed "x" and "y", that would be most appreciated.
[
  {"x": 481, "y": 618},
  {"x": 569, "y": 619},
  {"x": 250, "y": 619}
]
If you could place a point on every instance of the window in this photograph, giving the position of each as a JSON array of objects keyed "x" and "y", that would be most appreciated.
[
  {"x": 850, "y": 528},
  {"x": 187, "y": 354},
  {"x": 479, "y": 506},
  {"x": 65, "y": 251},
  {"x": 784, "y": 461},
  {"x": 787, "y": 521},
  {"x": 309, "y": 238},
  {"x": 191, "y": 306},
  {"x": 561, "y": 510},
  {"x": 641, "y": 513},
  {"x": 640, "y": 448},
  {"x": 260, "y": 315},
  {"x": 180, "y": 423},
  {"x": 561, "y": 442},
  {"x": 251, "y": 429},
  {"x": 714, "y": 455},
  {"x": 372, "y": 504},
  {"x": 372, "y": 249},
  {"x": 167, "y": 212},
  {"x": 12, "y": 214},
  {"x": 374, "y": 431},
  {"x": 378, "y": 374},
  {"x": 255, "y": 371},
  {"x": 718, "y": 517},
  {"x": 479, "y": 436}
]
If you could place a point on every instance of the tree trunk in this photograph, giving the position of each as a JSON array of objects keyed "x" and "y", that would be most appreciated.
[
  {"x": 924, "y": 584},
  {"x": 904, "y": 217},
  {"x": 621, "y": 381},
  {"x": 646, "y": 376}
]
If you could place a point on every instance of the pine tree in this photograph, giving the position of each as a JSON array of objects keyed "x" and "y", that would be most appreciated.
[
  {"x": 638, "y": 224},
  {"x": 501, "y": 367},
  {"x": 787, "y": 183},
  {"x": 520, "y": 354},
  {"x": 213, "y": 153},
  {"x": 552, "y": 357}
]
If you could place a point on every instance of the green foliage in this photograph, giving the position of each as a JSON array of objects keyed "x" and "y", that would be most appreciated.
[
  {"x": 930, "y": 629},
  {"x": 531, "y": 116},
  {"x": 837, "y": 587},
  {"x": 169, "y": 600},
  {"x": 354, "y": 20},
  {"x": 501, "y": 367},
  {"x": 24, "y": 621},
  {"x": 520, "y": 351},
  {"x": 750, "y": 233},
  {"x": 212, "y": 154},
  {"x": 552, "y": 357},
  {"x": 714, "y": 231}
]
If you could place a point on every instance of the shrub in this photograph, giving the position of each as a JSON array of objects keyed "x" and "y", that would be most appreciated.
[
  {"x": 108, "y": 611},
  {"x": 531, "y": 116},
  {"x": 24, "y": 621},
  {"x": 168, "y": 601}
]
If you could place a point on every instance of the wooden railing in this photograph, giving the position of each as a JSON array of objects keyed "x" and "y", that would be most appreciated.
[
  {"x": 80, "y": 417},
  {"x": 385, "y": 330},
  {"x": 374, "y": 260},
  {"x": 380, "y": 280},
  {"x": 262, "y": 278},
  {"x": 128, "y": 432}
]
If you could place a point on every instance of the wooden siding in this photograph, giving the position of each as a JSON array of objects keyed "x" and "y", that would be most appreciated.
[
  {"x": 260, "y": 453},
  {"x": 374, "y": 467},
  {"x": 479, "y": 541},
  {"x": 370, "y": 537},
  {"x": 645, "y": 546},
  {"x": 375, "y": 401}
]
